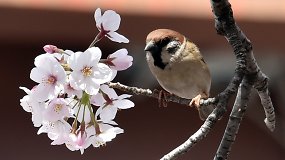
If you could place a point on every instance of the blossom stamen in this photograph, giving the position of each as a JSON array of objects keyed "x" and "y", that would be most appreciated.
[
  {"x": 58, "y": 107},
  {"x": 51, "y": 80},
  {"x": 87, "y": 71}
]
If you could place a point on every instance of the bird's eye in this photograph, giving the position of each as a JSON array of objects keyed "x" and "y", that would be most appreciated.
[{"x": 172, "y": 46}]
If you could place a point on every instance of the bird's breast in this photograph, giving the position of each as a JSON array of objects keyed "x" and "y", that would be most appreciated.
[{"x": 183, "y": 78}]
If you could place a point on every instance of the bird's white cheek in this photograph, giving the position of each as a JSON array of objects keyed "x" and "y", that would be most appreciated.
[{"x": 148, "y": 56}]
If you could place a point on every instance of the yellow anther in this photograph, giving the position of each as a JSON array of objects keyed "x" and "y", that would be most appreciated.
[{"x": 87, "y": 71}]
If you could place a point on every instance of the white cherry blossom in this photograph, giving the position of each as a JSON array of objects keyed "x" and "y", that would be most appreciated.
[
  {"x": 107, "y": 133},
  {"x": 56, "y": 110},
  {"x": 87, "y": 72},
  {"x": 80, "y": 140},
  {"x": 108, "y": 24},
  {"x": 31, "y": 105},
  {"x": 57, "y": 131},
  {"x": 109, "y": 103},
  {"x": 70, "y": 91},
  {"x": 70, "y": 86},
  {"x": 50, "y": 75}
]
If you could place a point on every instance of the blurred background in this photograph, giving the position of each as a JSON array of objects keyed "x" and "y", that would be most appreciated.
[{"x": 150, "y": 132}]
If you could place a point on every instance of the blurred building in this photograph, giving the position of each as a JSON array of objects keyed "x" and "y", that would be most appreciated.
[{"x": 150, "y": 132}]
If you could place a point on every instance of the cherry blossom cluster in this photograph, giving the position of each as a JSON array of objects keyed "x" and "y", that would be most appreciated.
[{"x": 71, "y": 101}]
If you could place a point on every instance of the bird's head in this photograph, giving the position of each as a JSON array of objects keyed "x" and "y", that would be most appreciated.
[{"x": 163, "y": 44}]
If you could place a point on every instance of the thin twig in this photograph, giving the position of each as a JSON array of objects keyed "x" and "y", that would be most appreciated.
[
  {"x": 261, "y": 85},
  {"x": 155, "y": 94}
]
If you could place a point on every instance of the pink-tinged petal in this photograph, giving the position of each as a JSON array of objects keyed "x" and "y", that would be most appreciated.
[
  {"x": 70, "y": 145},
  {"x": 123, "y": 104},
  {"x": 98, "y": 111},
  {"x": 97, "y": 99},
  {"x": 111, "y": 20},
  {"x": 95, "y": 55},
  {"x": 116, "y": 37},
  {"x": 122, "y": 63},
  {"x": 60, "y": 78},
  {"x": 114, "y": 74},
  {"x": 37, "y": 114},
  {"x": 74, "y": 79},
  {"x": 37, "y": 120},
  {"x": 25, "y": 89},
  {"x": 79, "y": 139},
  {"x": 38, "y": 75},
  {"x": 108, "y": 113},
  {"x": 90, "y": 86},
  {"x": 118, "y": 130},
  {"x": 73, "y": 62},
  {"x": 25, "y": 103},
  {"x": 41, "y": 92},
  {"x": 60, "y": 74},
  {"x": 92, "y": 90},
  {"x": 102, "y": 73},
  {"x": 59, "y": 141},
  {"x": 119, "y": 53},
  {"x": 83, "y": 59},
  {"x": 121, "y": 60},
  {"x": 109, "y": 134},
  {"x": 83, "y": 83},
  {"x": 57, "y": 110},
  {"x": 56, "y": 90},
  {"x": 104, "y": 126},
  {"x": 45, "y": 61},
  {"x": 109, "y": 91},
  {"x": 72, "y": 91},
  {"x": 123, "y": 96},
  {"x": 97, "y": 16},
  {"x": 113, "y": 123}
]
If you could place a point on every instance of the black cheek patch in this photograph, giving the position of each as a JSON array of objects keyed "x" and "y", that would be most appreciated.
[
  {"x": 157, "y": 59},
  {"x": 156, "y": 53}
]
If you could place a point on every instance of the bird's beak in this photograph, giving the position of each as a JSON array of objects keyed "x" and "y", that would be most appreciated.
[{"x": 150, "y": 46}]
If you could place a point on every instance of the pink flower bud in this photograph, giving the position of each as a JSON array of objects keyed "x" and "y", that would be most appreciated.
[
  {"x": 50, "y": 49},
  {"x": 120, "y": 60}
]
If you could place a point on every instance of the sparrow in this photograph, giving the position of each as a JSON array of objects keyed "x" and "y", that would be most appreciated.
[{"x": 179, "y": 67}]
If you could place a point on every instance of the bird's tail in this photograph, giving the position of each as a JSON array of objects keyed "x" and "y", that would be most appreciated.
[{"x": 205, "y": 111}]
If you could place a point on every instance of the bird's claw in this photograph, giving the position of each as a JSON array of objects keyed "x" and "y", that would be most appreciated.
[
  {"x": 195, "y": 101},
  {"x": 162, "y": 101}
]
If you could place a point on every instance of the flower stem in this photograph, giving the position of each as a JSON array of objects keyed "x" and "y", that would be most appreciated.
[
  {"x": 99, "y": 36},
  {"x": 74, "y": 124},
  {"x": 96, "y": 126}
]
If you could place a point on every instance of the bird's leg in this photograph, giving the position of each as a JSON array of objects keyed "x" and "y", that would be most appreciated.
[
  {"x": 204, "y": 111},
  {"x": 196, "y": 101},
  {"x": 162, "y": 102}
]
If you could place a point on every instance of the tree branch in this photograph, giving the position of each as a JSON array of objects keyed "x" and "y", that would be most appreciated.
[
  {"x": 236, "y": 116},
  {"x": 247, "y": 75},
  {"x": 226, "y": 25},
  {"x": 155, "y": 94}
]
